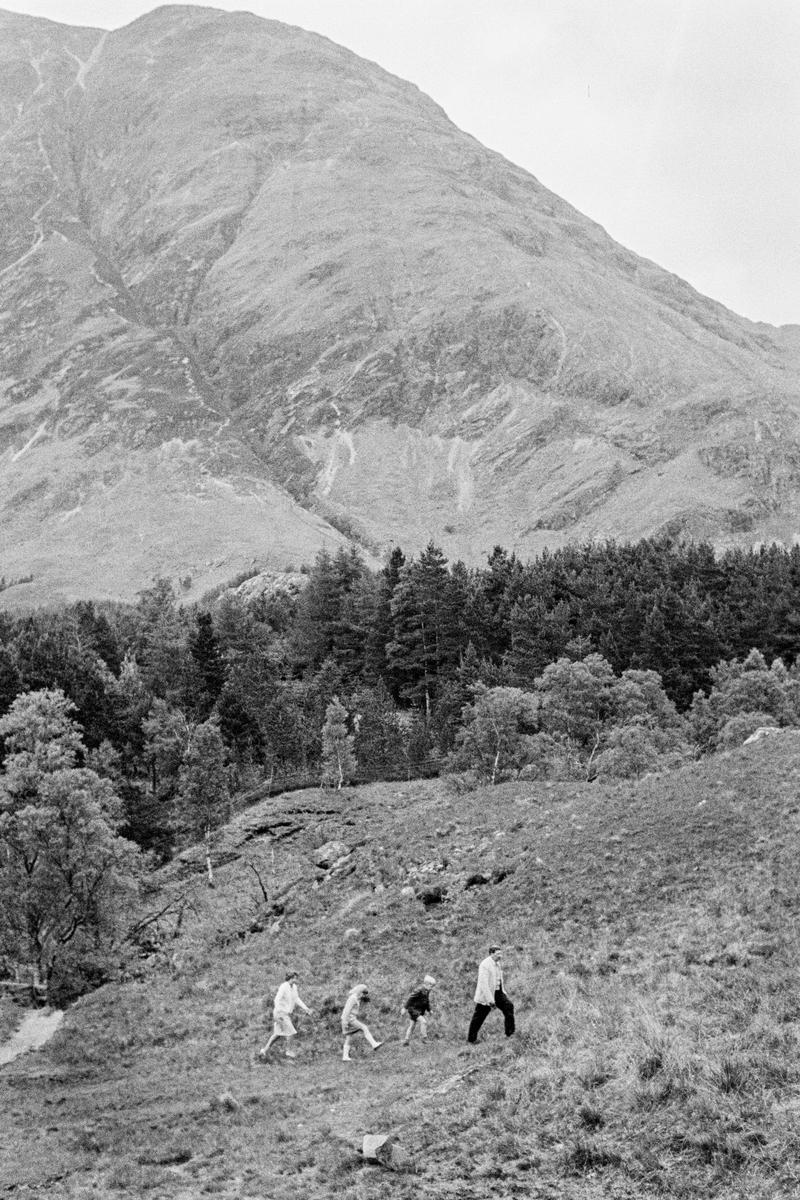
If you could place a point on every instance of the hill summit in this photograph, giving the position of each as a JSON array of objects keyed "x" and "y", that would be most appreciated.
[{"x": 261, "y": 296}]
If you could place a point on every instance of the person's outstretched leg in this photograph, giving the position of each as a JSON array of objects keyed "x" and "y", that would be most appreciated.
[
  {"x": 478, "y": 1017},
  {"x": 409, "y": 1031},
  {"x": 372, "y": 1041},
  {"x": 346, "y": 1049},
  {"x": 291, "y": 1052},
  {"x": 359, "y": 1025}
]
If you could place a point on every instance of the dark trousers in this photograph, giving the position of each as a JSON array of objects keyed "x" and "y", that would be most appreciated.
[{"x": 482, "y": 1011}]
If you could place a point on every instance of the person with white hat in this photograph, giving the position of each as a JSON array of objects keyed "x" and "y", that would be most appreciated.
[
  {"x": 352, "y": 1024},
  {"x": 416, "y": 1007}
]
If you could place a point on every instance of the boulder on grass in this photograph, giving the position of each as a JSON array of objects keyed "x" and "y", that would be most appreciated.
[
  {"x": 330, "y": 854},
  {"x": 385, "y": 1150},
  {"x": 372, "y": 1145}
]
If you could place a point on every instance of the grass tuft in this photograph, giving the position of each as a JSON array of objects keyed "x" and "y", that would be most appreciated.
[
  {"x": 732, "y": 1075},
  {"x": 584, "y": 1154},
  {"x": 590, "y": 1116}
]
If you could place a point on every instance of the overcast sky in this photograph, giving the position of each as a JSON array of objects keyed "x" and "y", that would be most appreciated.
[{"x": 674, "y": 123}]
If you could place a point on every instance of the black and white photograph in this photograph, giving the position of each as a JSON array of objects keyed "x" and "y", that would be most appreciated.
[{"x": 400, "y": 600}]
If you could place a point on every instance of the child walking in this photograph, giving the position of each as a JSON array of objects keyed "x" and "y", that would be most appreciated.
[
  {"x": 351, "y": 1023},
  {"x": 416, "y": 1007}
]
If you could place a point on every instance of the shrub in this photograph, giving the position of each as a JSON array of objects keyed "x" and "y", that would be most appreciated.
[
  {"x": 495, "y": 738},
  {"x": 737, "y": 730}
]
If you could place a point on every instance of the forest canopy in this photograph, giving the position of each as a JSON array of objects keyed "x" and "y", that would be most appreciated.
[{"x": 591, "y": 660}]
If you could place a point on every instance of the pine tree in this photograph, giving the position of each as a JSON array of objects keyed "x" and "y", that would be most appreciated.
[
  {"x": 209, "y": 668},
  {"x": 203, "y": 797},
  {"x": 285, "y": 732},
  {"x": 322, "y": 622},
  {"x": 420, "y": 632},
  {"x": 378, "y": 736},
  {"x": 167, "y": 735},
  {"x": 494, "y": 601},
  {"x": 380, "y": 632},
  {"x": 160, "y": 641},
  {"x": 537, "y": 635},
  {"x": 10, "y": 680}
]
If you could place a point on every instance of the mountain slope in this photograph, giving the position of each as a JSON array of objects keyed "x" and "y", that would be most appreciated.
[
  {"x": 651, "y": 945},
  {"x": 255, "y": 285}
]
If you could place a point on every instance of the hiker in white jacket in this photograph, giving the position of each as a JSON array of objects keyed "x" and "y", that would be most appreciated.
[
  {"x": 490, "y": 993},
  {"x": 286, "y": 1001},
  {"x": 351, "y": 1022}
]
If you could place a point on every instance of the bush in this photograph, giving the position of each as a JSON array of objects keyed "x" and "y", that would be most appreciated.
[
  {"x": 737, "y": 729},
  {"x": 494, "y": 741}
]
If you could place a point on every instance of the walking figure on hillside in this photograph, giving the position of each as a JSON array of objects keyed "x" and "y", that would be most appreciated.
[
  {"x": 351, "y": 1024},
  {"x": 286, "y": 1001},
  {"x": 415, "y": 1007},
  {"x": 490, "y": 994}
]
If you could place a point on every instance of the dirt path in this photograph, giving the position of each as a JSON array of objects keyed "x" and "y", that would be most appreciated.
[{"x": 37, "y": 1027}]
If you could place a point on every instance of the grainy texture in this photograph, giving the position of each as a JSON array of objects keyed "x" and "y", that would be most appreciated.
[
  {"x": 651, "y": 949},
  {"x": 258, "y": 294}
]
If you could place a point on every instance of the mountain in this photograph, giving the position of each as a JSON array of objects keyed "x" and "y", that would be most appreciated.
[{"x": 258, "y": 296}]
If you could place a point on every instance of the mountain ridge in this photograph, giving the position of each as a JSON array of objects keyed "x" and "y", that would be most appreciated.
[{"x": 260, "y": 296}]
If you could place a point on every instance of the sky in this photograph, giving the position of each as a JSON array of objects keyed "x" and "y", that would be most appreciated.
[{"x": 673, "y": 123}]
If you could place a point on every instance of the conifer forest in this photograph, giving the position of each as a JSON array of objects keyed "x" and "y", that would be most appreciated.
[{"x": 600, "y": 658}]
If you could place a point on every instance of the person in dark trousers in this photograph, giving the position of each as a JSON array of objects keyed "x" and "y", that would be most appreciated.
[
  {"x": 416, "y": 1007},
  {"x": 490, "y": 994}
]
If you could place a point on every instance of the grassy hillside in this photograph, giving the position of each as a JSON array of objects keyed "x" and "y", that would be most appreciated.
[{"x": 651, "y": 935}]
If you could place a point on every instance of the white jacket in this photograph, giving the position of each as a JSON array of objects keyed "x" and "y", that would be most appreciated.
[
  {"x": 287, "y": 999},
  {"x": 490, "y": 977}
]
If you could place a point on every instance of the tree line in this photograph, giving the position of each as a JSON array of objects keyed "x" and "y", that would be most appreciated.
[
  {"x": 181, "y": 706},
  {"x": 127, "y": 729}
]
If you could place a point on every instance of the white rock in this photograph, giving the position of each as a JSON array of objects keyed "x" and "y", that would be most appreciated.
[
  {"x": 372, "y": 1143},
  {"x": 761, "y": 732},
  {"x": 329, "y": 854}
]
